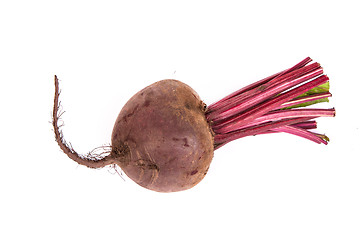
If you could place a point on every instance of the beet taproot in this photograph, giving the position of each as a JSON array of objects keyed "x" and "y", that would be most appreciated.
[{"x": 164, "y": 137}]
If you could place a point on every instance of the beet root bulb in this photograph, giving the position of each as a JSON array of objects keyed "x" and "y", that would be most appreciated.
[{"x": 167, "y": 140}]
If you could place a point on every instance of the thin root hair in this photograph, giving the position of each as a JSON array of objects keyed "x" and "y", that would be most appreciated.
[{"x": 97, "y": 158}]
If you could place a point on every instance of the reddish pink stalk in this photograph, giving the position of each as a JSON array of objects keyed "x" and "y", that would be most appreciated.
[
  {"x": 259, "y": 83},
  {"x": 286, "y": 114},
  {"x": 221, "y": 139},
  {"x": 302, "y": 125},
  {"x": 301, "y": 133},
  {"x": 305, "y": 99},
  {"x": 259, "y": 107},
  {"x": 269, "y": 89},
  {"x": 306, "y": 125},
  {"x": 267, "y": 106}
]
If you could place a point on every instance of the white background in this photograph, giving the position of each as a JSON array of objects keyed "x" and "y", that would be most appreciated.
[{"x": 265, "y": 187}]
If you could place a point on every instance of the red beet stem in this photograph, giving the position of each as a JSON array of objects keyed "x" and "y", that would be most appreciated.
[
  {"x": 305, "y": 99},
  {"x": 302, "y": 125},
  {"x": 282, "y": 114},
  {"x": 306, "y": 125},
  {"x": 269, "y": 105},
  {"x": 261, "y": 107},
  {"x": 216, "y": 105},
  {"x": 272, "y": 89},
  {"x": 302, "y": 133},
  {"x": 221, "y": 139}
]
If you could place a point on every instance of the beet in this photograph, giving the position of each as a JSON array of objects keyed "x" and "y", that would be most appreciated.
[
  {"x": 168, "y": 142},
  {"x": 164, "y": 137}
]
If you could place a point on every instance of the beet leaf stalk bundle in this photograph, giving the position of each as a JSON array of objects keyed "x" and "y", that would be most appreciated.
[
  {"x": 164, "y": 137},
  {"x": 274, "y": 104}
]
